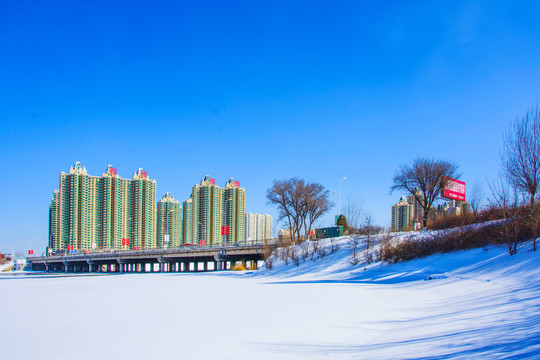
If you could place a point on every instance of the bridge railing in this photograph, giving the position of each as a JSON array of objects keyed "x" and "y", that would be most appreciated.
[{"x": 166, "y": 250}]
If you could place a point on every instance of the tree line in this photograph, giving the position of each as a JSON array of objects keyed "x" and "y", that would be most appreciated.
[{"x": 300, "y": 204}]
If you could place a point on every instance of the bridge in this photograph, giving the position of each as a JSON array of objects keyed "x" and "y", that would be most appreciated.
[{"x": 185, "y": 259}]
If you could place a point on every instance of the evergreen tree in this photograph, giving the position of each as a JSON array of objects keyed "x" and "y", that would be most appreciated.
[{"x": 342, "y": 221}]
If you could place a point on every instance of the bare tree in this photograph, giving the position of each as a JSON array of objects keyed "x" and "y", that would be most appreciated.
[
  {"x": 316, "y": 204},
  {"x": 369, "y": 228},
  {"x": 505, "y": 198},
  {"x": 521, "y": 154},
  {"x": 476, "y": 197},
  {"x": 521, "y": 159},
  {"x": 424, "y": 179},
  {"x": 353, "y": 214},
  {"x": 300, "y": 203},
  {"x": 268, "y": 256},
  {"x": 355, "y": 241},
  {"x": 315, "y": 246},
  {"x": 304, "y": 248}
]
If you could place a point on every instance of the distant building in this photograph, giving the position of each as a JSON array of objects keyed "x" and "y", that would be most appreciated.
[
  {"x": 258, "y": 226},
  {"x": 284, "y": 234},
  {"x": 187, "y": 228},
  {"x": 451, "y": 207},
  {"x": 169, "y": 222},
  {"x": 407, "y": 214},
  {"x": 90, "y": 212},
  {"x": 217, "y": 214}
]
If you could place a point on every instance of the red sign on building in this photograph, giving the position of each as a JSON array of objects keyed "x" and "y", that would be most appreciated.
[
  {"x": 202, "y": 243},
  {"x": 212, "y": 181},
  {"x": 224, "y": 230},
  {"x": 30, "y": 252},
  {"x": 454, "y": 190},
  {"x": 125, "y": 241},
  {"x": 237, "y": 183}
]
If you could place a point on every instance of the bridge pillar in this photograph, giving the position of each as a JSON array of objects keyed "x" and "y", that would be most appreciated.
[
  {"x": 47, "y": 267},
  {"x": 185, "y": 266},
  {"x": 215, "y": 265},
  {"x": 121, "y": 266},
  {"x": 205, "y": 267},
  {"x": 66, "y": 268}
]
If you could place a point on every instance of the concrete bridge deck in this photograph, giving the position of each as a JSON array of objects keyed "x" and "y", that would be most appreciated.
[{"x": 183, "y": 259}]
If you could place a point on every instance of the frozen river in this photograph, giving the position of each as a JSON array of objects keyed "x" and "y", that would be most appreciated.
[{"x": 479, "y": 305}]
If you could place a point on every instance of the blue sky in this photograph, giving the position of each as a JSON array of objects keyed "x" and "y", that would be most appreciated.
[{"x": 256, "y": 91}]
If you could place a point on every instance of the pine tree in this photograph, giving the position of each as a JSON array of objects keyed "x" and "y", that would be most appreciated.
[{"x": 342, "y": 221}]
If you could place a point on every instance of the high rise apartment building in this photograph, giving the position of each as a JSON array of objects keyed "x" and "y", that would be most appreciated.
[
  {"x": 217, "y": 214},
  {"x": 234, "y": 212},
  {"x": 109, "y": 212},
  {"x": 90, "y": 212},
  {"x": 187, "y": 228},
  {"x": 258, "y": 227},
  {"x": 407, "y": 214},
  {"x": 169, "y": 222}
]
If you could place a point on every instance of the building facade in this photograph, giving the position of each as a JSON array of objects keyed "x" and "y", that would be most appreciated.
[
  {"x": 187, "y": 228},
  {"x": 407, "y": 214},
  {"x": 217, "y": 214},
  {"x": 89, "y": 212},
  {"x": 258, "y": 227},
  {"x": 234, "y": 226},
  {"x": 169, "y": 222}
]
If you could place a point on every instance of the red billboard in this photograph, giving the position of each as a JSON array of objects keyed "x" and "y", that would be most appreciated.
[{"x": 454, "y": 190}]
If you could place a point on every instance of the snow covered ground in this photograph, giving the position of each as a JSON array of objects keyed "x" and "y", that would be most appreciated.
[{"x": 478, "y": 304}]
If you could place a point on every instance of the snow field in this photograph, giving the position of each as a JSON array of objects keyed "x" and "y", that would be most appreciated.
[{"x": 479, "y": 304}]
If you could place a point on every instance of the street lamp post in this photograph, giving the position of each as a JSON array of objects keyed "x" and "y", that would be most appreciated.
[{"x": 339, "y": 196}]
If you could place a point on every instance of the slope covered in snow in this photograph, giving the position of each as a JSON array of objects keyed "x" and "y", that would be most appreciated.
[{"x": 477, "y": 304}]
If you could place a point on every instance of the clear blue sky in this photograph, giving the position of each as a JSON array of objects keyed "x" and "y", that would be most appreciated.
[{"x": 256, "y": 91}]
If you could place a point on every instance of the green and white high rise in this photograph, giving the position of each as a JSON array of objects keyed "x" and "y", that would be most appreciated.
[
  {"x": 217, "y": 213},
  {"x": 169, "y": 222},
  {"x": 90, "y": 212}
]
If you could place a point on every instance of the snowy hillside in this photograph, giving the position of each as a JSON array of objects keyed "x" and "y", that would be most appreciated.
[{"x": 476, "y": 304}]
